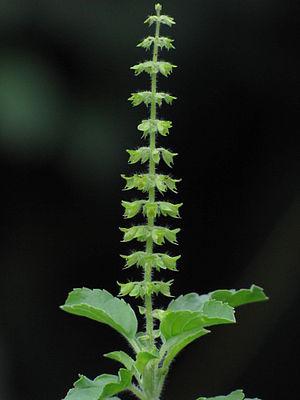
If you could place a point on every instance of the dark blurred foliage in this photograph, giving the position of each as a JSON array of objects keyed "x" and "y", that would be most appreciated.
[{"x": 64, "y": 127}]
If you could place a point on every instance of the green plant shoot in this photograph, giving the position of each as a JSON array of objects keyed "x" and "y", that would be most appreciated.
[{"x": 187, "y": 318}]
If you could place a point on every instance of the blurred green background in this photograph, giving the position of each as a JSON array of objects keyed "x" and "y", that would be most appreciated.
[{"x": 64, "y": 126}]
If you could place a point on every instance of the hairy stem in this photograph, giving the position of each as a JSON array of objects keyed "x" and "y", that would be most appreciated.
[
  {"x": 150, "y": 220},
  {"x": 137, "y": 392}
]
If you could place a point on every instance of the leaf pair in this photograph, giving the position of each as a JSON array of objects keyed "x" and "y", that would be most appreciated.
[
  {"x": 158, "y": 234},
  {"x": 101, "y": 306},
  {"x": 185, "y": 320},
  {"x": 151, "y": 209},
  {"x": 154, "y": 260}
]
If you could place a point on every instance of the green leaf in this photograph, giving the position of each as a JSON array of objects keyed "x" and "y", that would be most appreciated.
[
  {"x": 194, "y": 302},
  {"x": 253, "y": 399},
  {"x": 189, "y": 302},
  {"x": 132, "y": 208},
  {"x": 122, "y": 358},
  {"x": 86, "y": 389},
  {"x": 147, "y": 97},
  {"x": 239, "y": 297},
  {"x": 174, "y": 345},
  {"x": 162, "y": 42},
  {"x": 101, "y": 388},
  {"x": 236, "y": 395},
  {"x": 143, "y": 359},
  {"x": 180, "y": 326},
  {"x": 101, "y": 306},
  {"x": 212, "y": 312},
  {"x": 121, "y": 383},
  {"x": 178, "y": 329}
]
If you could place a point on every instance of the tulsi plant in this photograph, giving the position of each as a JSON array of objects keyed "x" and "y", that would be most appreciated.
[{"x": 187, "y": 318}]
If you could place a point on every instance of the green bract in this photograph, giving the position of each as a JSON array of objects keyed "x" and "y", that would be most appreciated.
[
  {"x": 145, "y": 182},
  {"x": 149, "y": 126},
  {"x": 141, "y": 289},
  {"x": 144, "y": 154},
  {"x": 187, "y": 318},
  {"x": 148, "y": 98},
  {"x": 157, "y": 234},
  {"x": 151, "y": 67},
  {"x": 162, "y": 42},
  {"x": 154, "y": 260}
]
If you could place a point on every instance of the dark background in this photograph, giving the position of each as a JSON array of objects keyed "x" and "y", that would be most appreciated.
[{"x": 64, "y": 126}]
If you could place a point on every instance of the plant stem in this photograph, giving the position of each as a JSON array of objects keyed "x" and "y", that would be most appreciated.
[
  {"x": 137, "y": 392},
  {"x": 150, "y": 220}
]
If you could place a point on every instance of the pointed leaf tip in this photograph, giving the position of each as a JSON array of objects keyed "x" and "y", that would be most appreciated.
[{"x": 240, "y": 297}]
